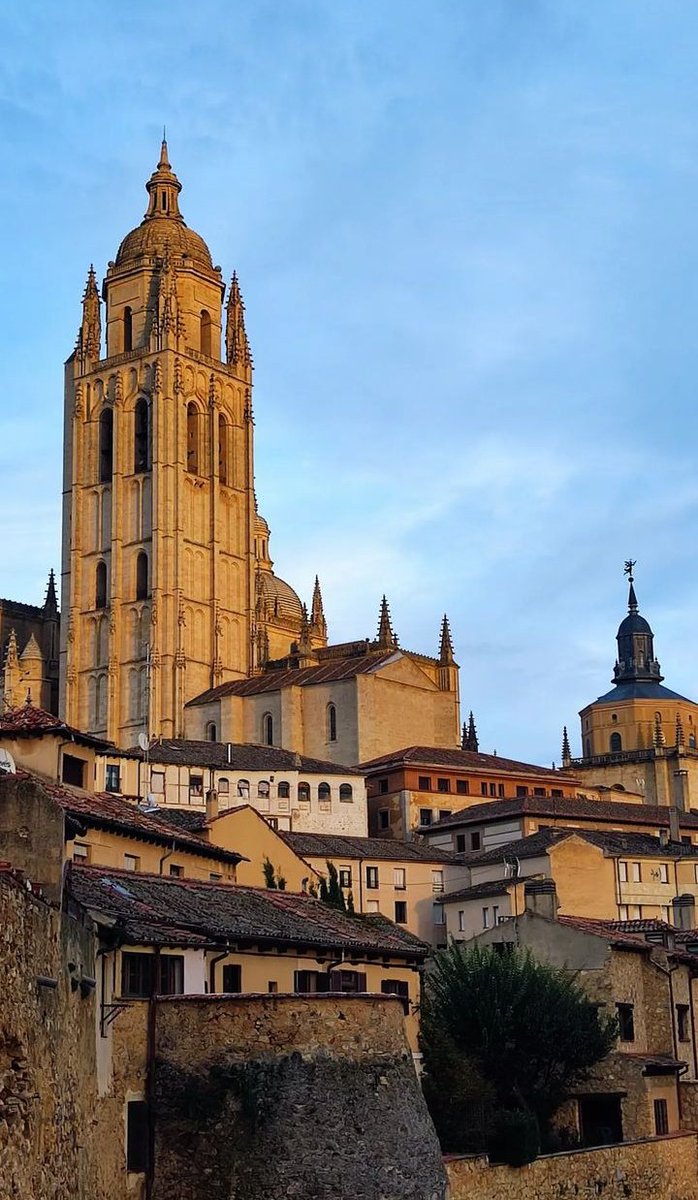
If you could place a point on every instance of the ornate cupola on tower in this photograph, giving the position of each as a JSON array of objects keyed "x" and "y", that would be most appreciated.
[
  {"x": 159, "y": 560},
  {"x": 636, "y": 662},
  {"x": 639, "y": 719}
]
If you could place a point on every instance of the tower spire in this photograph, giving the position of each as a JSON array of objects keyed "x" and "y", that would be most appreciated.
[
  {"x": 318, "y": 624},
  {"x": 51, "y": 599},
  {"x": 635, "y": 662},
  {"x": 566, "y": 752},
  {"x": 90, "y": 335},
  {"x": 470, "y": 741},
  {"x": 237, "y": 346},
  {"x": 386, "y": 637},
  {"x": 163, "y": 188},
  {"x": 446, "y": 644}
]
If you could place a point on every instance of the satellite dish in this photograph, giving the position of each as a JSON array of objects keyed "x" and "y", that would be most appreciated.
[
  {"x": 143, "y": 742},
  {"x": 7, "y": 762}
]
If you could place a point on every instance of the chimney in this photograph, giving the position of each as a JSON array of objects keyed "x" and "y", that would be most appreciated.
[
  {"x": 674, "y": 827},
  {"x": 684, "y": 911},
  {"x": 681, "y": 790},
  {"x": 541, "y": 898},
  {"x": 211, "y": 804},
  {"x": 229, "y": 753},
  {"x": 663, "y": 836}
]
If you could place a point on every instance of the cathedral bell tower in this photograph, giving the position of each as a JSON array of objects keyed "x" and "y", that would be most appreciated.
[{"x": 158, "y": 502}]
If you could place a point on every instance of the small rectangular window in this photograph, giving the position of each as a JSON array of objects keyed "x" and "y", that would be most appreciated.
[
  {"x": 176, "y": 871},
  {"x": 132, "y": 862},
  {"x": 521, "y": 790},
  {"x": 397, "y": 987},
  {"x": 682, "y": 1023},
  {"x": 232, "y": 978},
  {"x": 663, "y": 873},
  {"x": 538, "y": 791},
  {"x": 137, "y": 1136},
  {"x": 439, "y": 915},
  {"x": 384, "y": 818},
  {"x": 437, "y": 881},
  {"x": 272, "y": 986},
  {"x": 485, "y": 918},
  {"x": 196, "y": 785},
  {"x": 461, "y": 920},
  {"x": 383, "y": 786},
  {"x": 443, "y": 785},
  {"x": 311, "y": 982},
  {"x": 483, "y": 789},
  {"x": 81, "y": 852},
  {"x": 556, "y": 793},
  {"x": 626, "y": 1022},
  {"x": 345, "y": 877},
  {"x": 623, "y": 871},
  {"x": 493, "y": 789},
  {"x": 495, "y": 914},
  {"x": 622, "y": 912},
  {"x": 444, "y": 813},
  {"x": 500, "y": 789},
  {"x": 399, "y": 878},
  {"x": 462, "y": 787},
  {"x": 73, "y": 770},
  {"x": 144, "y": 975},
  {"x": 425, "y": 816},
  {"x": 401, "y": 912},
  {"x": 661, "y": 1118},
  {"x": 424, "y": 783},
  {"x": 475, "y": 840},
  {"x": 637, "y": 872},
  {"x": 157, "y": 782},
  {"x": 371, "y": 877},
  {"x": 223, "y": 786},
  {"x": 213, "y": 878},
  {"x": 460, "y": 843},
  {"x": 113, "y": 778}
]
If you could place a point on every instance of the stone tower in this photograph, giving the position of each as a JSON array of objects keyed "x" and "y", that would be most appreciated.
[{"x": 158, "y": 577}]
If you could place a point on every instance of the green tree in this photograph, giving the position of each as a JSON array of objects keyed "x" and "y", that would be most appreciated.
[
  {"x": 524, "y": 1028},
  {"x": 269, "y": 873},
  {"x": 330, "y": 890}
]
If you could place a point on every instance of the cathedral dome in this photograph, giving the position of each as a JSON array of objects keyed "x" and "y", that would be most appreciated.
[
  {"x": 163, "y": 224},
  {"x": 633, "y": 623},
  {"x": 280, "y": 597}
]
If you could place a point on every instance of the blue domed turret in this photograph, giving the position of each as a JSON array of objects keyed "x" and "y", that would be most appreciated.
[{"x": 636, "y": 662}]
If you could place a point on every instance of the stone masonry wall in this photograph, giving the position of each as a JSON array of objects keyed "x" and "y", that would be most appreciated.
[
  {"x": 47, "y": 1055},
  {"x": 659, "y": 1168},
  {"x": 259, "y": 1097}
]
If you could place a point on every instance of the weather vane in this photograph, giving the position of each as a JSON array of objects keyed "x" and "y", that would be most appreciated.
[{"x": 628, "y": 568}]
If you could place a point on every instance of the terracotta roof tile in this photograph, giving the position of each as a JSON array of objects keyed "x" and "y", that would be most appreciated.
[
  {"x": 561, "y": 807},
  {"x": 331, "y": 845},
  {"x": 273, "y": 681},
  {"x": 154, "y": 908},
  {"x": 242, "y": 756},
  {"x": 30, "y": 721},
  {"x": 439, "y": 756}
]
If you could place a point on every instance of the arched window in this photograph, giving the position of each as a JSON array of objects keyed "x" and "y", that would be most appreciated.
[
  {"x": 616, "y": 743},
  {"x": 222, "y": 449},
  {"x": 331, "y": 723},
  {"x": 106, "y": 445},
  {"x": 345, "y": 792},
  {"x": 263, "y": 789},
  {"x": 192, "y": 439},
  {"x": 283, "y": 790},
  {"x": 304, "y": 793},
  {"x": 211, "y": 733},
  {"x": 244, "y": 788},
  {"x": 128, "y": 329},
  {"x": 324, "y": 791},
  {"x": 101, "y": 585},
  {"x": 142, "y": 576},
  {"x": 205, "y": 332},
  {"x": 141, "y": 437},
  {"x": 268, "y": 729}
]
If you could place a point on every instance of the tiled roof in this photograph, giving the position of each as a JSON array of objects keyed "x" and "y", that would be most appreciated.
[
  {"x": 330, "y": 845},
  {"x": 605, "y": 930},
  {"x": 463, "y": 760},
  {"x": 274, "y": 681},
  {"x": 561, "y": 807},
  {"x": 480, "y": 891},
  {"x": 102, "y": 810},
  {"x": 240, "y": 757},
  {"x": 30, "y": 721},
  {"x": 640, "y": 845},
  {"x": 155, "y": 908}
]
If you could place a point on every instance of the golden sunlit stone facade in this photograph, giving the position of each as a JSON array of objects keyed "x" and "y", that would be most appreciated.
[{"x": 167, "y": 583}]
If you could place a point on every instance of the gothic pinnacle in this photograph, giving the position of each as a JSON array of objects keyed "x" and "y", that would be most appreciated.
[
  {"x": 446, "y": 644},
  {"x": 386, "y": 637},
  {"x": 470, "y": 741},
  {"x": 566, "y": 752},
  {"x": 318, "y": 624}
]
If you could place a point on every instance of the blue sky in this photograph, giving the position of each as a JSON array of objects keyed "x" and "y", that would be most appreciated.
[{"x": 466, "y": 234}]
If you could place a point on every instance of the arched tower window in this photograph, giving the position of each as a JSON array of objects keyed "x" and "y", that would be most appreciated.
[
  {"x": 268, "y": 729},
  {"x": 331, "y": 723},
  {"x": 142, "y": 576},
  {"x": 222, "y": 449},
  {"x": 106, "y": 445},
  {"x": 101, "y": 585},
  {"x": 324, "y": 791},
  {"x": 345, "y": 792},
  {"x": 616, "y": 743},
  {"x": 128, "y": 329},
  {"x": 205, "y": 332},
  {"x": 211, "y": 732},
  {"x": 141, "y": 437},
  {"x": 192, "y": 440}
]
